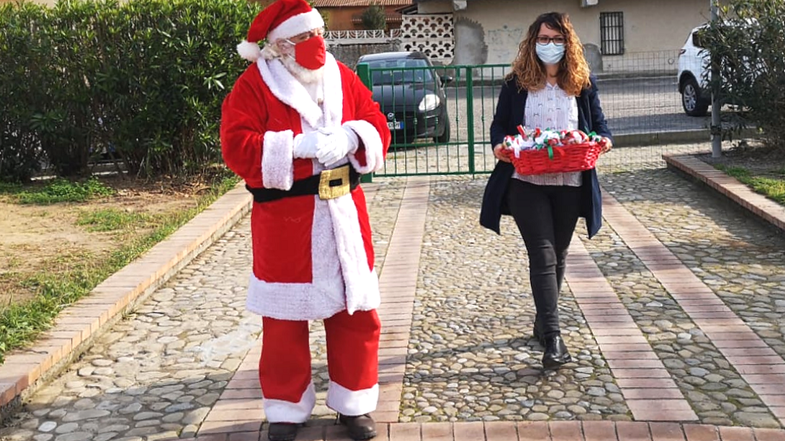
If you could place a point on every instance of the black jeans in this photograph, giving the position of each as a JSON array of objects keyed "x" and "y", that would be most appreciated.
[{"x": 546, "y": 217}]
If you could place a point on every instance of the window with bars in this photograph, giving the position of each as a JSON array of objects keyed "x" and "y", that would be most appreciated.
[{"x": 612, "y": 33}]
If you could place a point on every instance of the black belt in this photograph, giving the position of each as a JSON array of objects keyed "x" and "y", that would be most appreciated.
[{"x": 329, "y": 184}]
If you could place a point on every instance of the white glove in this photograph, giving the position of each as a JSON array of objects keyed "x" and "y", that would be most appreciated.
[
  {"x": 339, "y": 143},
  {"x": 306, "y": 145}
]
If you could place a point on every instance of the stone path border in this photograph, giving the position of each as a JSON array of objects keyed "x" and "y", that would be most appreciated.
[
  {"x": 648, "y": 388},
  {"x": 78, "y": 324},
  {"x": 398, "y": 285},
  {"x": 527, "y": 431},
  {"x": 748, "y": 354},
  {"x": 730, "y": 187}
]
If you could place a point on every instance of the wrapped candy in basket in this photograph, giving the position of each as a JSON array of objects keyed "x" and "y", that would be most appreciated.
[{"x": 538, "y": 151}]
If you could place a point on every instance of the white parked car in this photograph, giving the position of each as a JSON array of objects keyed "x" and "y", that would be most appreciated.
[
  {"x": 694, "y": 70},
  {"x": 693, "y": 64}
]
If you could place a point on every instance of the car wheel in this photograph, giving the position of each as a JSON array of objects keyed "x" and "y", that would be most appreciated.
[
  {"x": 691, "y": 99},
  {"x": 444, "y": 138}
]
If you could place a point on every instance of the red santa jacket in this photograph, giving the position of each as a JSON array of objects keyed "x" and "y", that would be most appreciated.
[{"x": 311, "y": 258}]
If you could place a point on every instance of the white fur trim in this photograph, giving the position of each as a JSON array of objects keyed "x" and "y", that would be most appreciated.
[
  {"x": 249, "y": 51},
  {"x": 291, "y": 92},
  {"x": 374, "y": 152},
  {"x": 352, "y": 402},
  {"x": 277, "y": 162},
  {"x": 279, "y": 411},
  {"x": 296, "y": 25},
  {"x": 359, "y": 280},
  {"x": 333, "y": 92},
  {"x": 327, "y": 294}
]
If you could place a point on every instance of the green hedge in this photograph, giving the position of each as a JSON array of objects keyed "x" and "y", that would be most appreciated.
[{"x": 143, "y": 79}]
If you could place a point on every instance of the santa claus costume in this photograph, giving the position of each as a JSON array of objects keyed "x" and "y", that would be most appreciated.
[{"x": 312, "y": 253}]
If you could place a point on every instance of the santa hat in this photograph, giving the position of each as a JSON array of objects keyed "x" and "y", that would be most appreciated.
[{"x": 282, "y": 19}]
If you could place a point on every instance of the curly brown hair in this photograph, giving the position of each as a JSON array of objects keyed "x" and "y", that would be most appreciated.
[{"x": 529, "y": 71}]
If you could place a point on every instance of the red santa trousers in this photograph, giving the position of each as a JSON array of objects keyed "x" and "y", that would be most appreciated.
[{"x": 352, "y": 362}]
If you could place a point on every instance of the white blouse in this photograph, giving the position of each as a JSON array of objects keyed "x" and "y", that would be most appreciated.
[{"x": 551, "y": 108}]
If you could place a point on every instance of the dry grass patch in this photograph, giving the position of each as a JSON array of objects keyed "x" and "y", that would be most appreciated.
[{"x": 59, "y": 243}]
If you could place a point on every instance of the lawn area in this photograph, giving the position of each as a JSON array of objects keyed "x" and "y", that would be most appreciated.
[
  {"x": 760, "y": 168},
  {"x": 770, "y": 184},
  {"x": 62, "y": 238}
]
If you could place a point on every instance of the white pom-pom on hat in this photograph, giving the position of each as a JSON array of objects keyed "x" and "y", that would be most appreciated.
[{"x": 249, "y": 51}]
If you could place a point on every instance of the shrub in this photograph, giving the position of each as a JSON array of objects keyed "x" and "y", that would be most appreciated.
[
  {"x": 746, "y": 45},
  {"x": 163, "y": 86},
  {"x": 142, "y": 80},
  {"x": 21, "y": 76}
]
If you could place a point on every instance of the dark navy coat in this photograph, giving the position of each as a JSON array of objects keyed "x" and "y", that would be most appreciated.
[{"x": 509, "y": 114}]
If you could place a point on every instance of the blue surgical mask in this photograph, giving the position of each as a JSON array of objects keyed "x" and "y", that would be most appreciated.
[{"x": 550, "y": 53}]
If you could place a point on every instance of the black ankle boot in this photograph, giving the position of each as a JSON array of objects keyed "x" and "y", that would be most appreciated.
[
  {"x": 360, "y": 427},
  {"x": 555, "y": 353},
  {"x": 282, "y": 431}
]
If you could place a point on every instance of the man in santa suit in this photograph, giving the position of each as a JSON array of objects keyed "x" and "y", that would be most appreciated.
[{"x": 299, "y": 128}]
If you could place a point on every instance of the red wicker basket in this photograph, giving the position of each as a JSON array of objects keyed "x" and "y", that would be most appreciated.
[{"x": 571, "y": 158}]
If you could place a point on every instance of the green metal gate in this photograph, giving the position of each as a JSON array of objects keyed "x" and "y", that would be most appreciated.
[{"x": 439, "y": 116}]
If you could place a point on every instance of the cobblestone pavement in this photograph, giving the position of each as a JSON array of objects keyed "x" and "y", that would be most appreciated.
[
  {"x": 471, "y": 355},
  {"x": 161, "y": 370},
  {"x": 739, "y": 259}
]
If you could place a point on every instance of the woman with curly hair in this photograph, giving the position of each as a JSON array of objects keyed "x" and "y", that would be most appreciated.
[{"x": 550, "y": 86}]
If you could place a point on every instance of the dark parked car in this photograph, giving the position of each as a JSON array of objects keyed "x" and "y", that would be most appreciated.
[{"x": 411, "y": 95}]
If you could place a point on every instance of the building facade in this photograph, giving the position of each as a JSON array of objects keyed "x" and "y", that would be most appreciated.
[
  {"x": 345, "y": 15},
  {"x": 617, "y": 34}
]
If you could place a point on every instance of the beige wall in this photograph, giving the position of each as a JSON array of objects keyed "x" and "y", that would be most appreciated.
[
  {"x": 649, "y": 25},
  {"x": 435, "y": 7},
  {"x": 654, "y": 25}
]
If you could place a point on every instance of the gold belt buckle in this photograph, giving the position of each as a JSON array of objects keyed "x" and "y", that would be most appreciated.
[{"x": 334, "y": 183}]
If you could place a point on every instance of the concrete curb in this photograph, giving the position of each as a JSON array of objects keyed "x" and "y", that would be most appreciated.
[
  {"x": 75, "y": 328},
  {"x": 660, "y": 138},
  {"x": 763, "y": 208},
  {"x": 671, "y": 137}
]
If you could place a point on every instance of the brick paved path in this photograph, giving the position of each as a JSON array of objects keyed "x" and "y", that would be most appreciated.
[{"x": 673, "y": 341}]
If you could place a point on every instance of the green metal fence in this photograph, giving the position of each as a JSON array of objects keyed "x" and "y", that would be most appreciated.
[
  {"x": 439, "y": 116},
  {"x": 640, "y": 100}
]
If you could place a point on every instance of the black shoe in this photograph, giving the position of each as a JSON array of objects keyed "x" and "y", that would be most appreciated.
[
  {"x": 360, "y": 427},
  {"x": 282, "y": 431},
  {"x": 555, "y": 352}
]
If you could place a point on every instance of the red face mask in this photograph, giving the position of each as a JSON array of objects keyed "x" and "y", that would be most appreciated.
[{"x": 311, "y": 53}]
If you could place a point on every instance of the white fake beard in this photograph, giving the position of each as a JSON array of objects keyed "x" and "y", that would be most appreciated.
[{"x": 302, "y": 74}]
